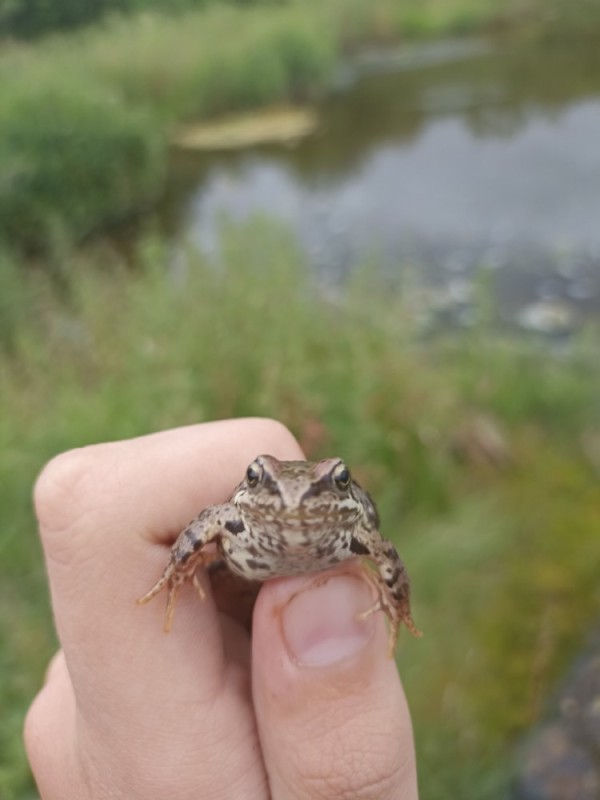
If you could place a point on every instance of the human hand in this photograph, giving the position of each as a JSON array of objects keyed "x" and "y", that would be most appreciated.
[{"x": 308, "y": 707}]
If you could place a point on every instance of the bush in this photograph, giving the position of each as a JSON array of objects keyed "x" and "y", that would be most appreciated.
[
  {"x": 72, "y": 157},
  {"x": 30, "y": 18},
  {"x": 25, "y": 18}
]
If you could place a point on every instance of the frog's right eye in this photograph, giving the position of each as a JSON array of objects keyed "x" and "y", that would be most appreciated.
[
  {"x": 341, "y": 476},
  {"x": 253, "y": 474}
]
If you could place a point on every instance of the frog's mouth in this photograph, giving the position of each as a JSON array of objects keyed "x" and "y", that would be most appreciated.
[
  {"x": 301, "y": 524},
  {"x": 296, "y": 521},
  {"x": 303, "y": 514},
  {"x": 318, "y": 518}
]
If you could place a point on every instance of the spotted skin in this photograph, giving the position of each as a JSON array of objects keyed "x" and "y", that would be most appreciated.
[{"x": 286, "y": 518}]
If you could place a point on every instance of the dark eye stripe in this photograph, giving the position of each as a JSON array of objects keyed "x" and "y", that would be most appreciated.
[
  {"x": 269, "y": 484},
  {"x": 315, "y": 489}
]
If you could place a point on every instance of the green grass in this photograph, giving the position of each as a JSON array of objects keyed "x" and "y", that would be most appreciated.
[{"x": 503, "y": 559}]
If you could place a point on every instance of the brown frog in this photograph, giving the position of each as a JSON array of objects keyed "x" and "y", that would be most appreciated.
[{"x": 290, "y": 517}]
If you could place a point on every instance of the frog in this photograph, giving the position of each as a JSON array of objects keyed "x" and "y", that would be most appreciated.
[{"x": 287, "y": 518}]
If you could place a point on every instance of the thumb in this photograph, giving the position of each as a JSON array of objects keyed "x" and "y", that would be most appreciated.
[{"x": 332, "y": 716}]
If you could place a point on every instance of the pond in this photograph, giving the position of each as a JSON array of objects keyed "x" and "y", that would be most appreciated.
[{"x": 453, "y": 165}]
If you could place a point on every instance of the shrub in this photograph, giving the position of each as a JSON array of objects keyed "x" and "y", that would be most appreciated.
[{"x": 72, "y": 156}]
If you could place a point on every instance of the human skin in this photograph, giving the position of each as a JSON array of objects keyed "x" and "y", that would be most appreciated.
[{"x": 309, "y": 706}]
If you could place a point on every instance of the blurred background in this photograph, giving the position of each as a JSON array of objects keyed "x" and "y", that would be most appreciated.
[{"x": 377, "y": 221}]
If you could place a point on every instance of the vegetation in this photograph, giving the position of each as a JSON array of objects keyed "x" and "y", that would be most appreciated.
[
  {"x": 33, "y": 18},
  {"x": 500, "y": 590},
  {"x": 86, "y": 118}
]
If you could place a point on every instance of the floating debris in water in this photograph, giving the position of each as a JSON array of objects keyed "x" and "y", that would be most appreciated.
[{"x": 281, "y": 125}]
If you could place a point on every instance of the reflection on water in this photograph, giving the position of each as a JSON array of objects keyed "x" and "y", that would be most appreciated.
[{"x": 451, "y": 160}]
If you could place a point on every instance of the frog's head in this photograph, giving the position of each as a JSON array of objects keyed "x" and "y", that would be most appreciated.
[{"x": 300, "y": 494}]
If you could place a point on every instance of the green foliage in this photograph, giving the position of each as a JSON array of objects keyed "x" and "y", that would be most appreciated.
[
  {"x": 502, "y": 594},
  {"x": 14, "y": 300},
  {"x": 32, "y": 18},
  {"x": 74, "y": 156}
]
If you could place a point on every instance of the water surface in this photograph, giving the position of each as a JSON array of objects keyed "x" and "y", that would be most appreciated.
[{"x": 441, "y": 162}]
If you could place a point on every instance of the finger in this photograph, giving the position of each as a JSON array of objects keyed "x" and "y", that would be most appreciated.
[
  {"x": 332, "y": 715},
  {"x": 56, "y": 666},
  {"x": 106, "y": 514},
  {"x": 48, "y": 729}
]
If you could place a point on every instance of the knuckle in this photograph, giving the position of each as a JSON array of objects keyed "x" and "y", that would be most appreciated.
[
  {"x": 61, "y": 490},
  {"x": 278, "y": 437}
]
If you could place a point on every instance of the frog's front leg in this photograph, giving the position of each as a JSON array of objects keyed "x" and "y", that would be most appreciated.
[
  {"x": 393, "y": 586},
  {"x": 186, "y": 553}
]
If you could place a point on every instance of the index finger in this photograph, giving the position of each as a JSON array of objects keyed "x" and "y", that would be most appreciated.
[{"x": 106, "y": 513}]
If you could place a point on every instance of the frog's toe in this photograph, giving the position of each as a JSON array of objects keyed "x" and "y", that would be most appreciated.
[
  {"x": 198, "y": 586},
  {"x": 393, "y": 638},
  {"x": 362, "y": 615},
  {"x": 158, "y": 587},
  {"x": 410, "y": 624},
  {"x": 174, "y": 586}
]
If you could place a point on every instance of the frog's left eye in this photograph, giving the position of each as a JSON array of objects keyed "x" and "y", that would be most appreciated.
[
  {"x": 253, "y": 474},
  {"x": 341, "y": 476}
]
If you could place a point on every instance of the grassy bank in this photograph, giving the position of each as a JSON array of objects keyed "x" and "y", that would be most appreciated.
[
  {"x": 86, "y": 117},
  {"x": 503, "y": 551}
]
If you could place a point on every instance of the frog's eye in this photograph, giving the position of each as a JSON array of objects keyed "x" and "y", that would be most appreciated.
[
  {"x": 253, "y": 474},
  {"x": 341, "y": 476}
]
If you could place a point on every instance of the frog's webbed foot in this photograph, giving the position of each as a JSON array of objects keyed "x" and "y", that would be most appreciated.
[
  {"x": 156, "y": 589},
  {"x": 187, "y": 556},
  {"x": 394, "y": 624},
  {"x": 395, "y": 618},
  {"x": 371, "y": 610},
  {"x": 173, "y": 579},
  {"x": 393, "y": 589}
]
